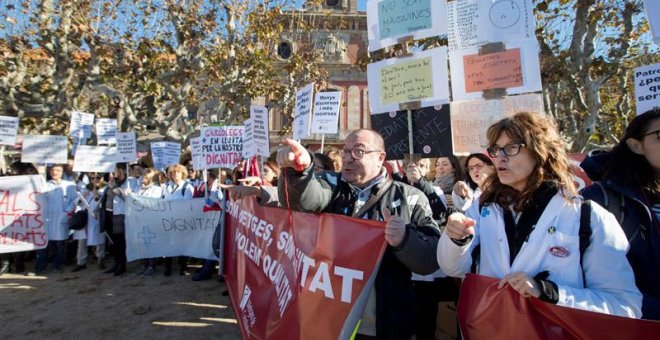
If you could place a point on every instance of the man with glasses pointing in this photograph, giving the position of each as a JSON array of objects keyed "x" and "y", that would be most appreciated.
[{"x": 364, "y": 189}]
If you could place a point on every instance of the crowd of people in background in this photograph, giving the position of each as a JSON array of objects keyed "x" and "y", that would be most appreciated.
[{"x": 494, "y": 213}]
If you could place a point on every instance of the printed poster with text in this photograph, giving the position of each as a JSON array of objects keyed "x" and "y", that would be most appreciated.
[
  {"x": 260, "y": 136},
  {"x": 647, "y": 87},
  {"x": 8, "y": 130},
  {"x": 21, "y": 214},
  {"x": 44, "y": 149},
  {"x": 326, "y": 112},
  {"x": 222, "y": 146},
  {"x": 305, "y": 280},
  {"x": 302, "y": 116}
]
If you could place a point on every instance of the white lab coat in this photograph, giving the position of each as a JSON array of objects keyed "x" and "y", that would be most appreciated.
[
  {"x": 92, "y": 232},
  {"x": 184, "y": 191},
  {"x": 59, "y": 201},
  {"x": 610, "y": 281}
]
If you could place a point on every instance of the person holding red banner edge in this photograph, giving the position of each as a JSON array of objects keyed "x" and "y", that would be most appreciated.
[
  {"x": 364, "y": 189},
  {"x": 527, "y": 227}
]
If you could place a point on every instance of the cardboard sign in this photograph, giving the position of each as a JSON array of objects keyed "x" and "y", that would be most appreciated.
[
  {"x": 197, "y": 153},
  {"x": 222, "y": 146},
  {"x": 420, "y": 77},
  {"x": 126, "y": 147},
  {"x": 647, "y": 87},
  {"x": 8, "y": 130},
  {"x": 326, "y": 112},
  {"x": 81, "y": 124},
  {"x": 91, "y": 158},
  {"x": 389, "y": 20},
  {"x": 157, "y": 228},
  {"x": 165, "y": 154},
  {"x": 286, "y": 270},
  {"x": 248, "y": 143},
  {"x": 517, "y": 69},
  {"x": 44, "y": 149},
  {"x": 303, "y": 112},
  {"x": 432, "y": 133},
  {"x": 473, "y": 23},
  {"x": 652, "y": 8},
  {"x": 260, "y": 135},
  {"x": 106, "y": 130},
  {"x": 470, "y": 119},
  {"x": 22, "y": 211},
  {"x": 493, "y": 70}
]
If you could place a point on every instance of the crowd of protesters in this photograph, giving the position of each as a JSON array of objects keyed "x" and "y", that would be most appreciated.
[{"x": 512, "y": 213}]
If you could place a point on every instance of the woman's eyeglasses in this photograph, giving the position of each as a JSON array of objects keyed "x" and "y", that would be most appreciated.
[
  {"x": 656, "y": 132},
  {"x": 508, "y": 150}
]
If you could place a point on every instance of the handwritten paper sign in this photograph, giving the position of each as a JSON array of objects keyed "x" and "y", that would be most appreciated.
[
  {"x": 652, "y": 8},
  {"x": 326, "y": 112},
  {"x": 8, "y": 130},
  {"x": 106, "y": 129},
  {"x": 197, "y": 153},
  {"x": 91, "y": 158},
  {"x": 165, "y": 154},
  {"x": 421, "y": 77},
  {"x": 303, "y": 112},
  {"x": 516, "y": 68},
  {"x": 126, "y": 147},
  {"x": 473, "y": 23},
  {"x": 22, "y": 211},
  {"x": 81, "y": 124},
  {"x": 389, "y": 20},
  {"x": 647, "y": 87},
  {"x": 431, "y": 132},
  {"x": 470, "y": 119},
  {"x": 261, "y": 139},
  {"x": 248, "y": 139},
  {"x": 222, "y": 146},
  {"x": 44, "y": 149}
]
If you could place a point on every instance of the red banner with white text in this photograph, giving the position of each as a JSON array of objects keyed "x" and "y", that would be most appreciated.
[
  {"x": 486, "y": 312},
  {"x": 294, "y": 275}
]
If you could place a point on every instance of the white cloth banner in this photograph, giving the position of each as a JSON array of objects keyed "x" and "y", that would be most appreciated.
[
  {"x": 22, "y": 225},
  {"x": 44, "y": 149},
  {"x": 156, "y": 228},
  {"x": 8, "y": 130}
]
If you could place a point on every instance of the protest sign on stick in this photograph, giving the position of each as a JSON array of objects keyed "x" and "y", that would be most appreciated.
[
  {"x": 248, "y": 138},
  {"x": 302, "y": 115},
  {"x": 22, "y": 211},
  {"x": 389, "y": 20},
  {"x": 106, "y": 130},
  {"x": 165, "y": 154},
  {"x": 222, "y": 146},
  {"x": 260, "y": 135},
  {"x": 81, "y": 124},
  {"x": 326, "y": 113},
  {"x": 91, "y": 158},
  {"x": 652, "y": 8},
  {"x": 197, "y": 154},
  {"x": 126, "y": 147},
  {"x": 44, "y": 149},
  {"x": 8, "y": 130},
  {"x": 647, "y": 87}
]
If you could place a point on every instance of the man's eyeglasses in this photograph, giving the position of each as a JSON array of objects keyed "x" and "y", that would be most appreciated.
[
  {"x": 656, "y": 132},
  {"x": 508, "y": 150},
  {"x": 356, "y": 153}
]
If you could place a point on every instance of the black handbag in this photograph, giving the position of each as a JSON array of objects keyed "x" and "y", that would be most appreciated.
[{"x": 79, "y": 220}]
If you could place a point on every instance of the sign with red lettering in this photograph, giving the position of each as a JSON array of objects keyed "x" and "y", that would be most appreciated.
[
  {"x": 305, "y": 279},
  {"x": 493, "y": 70},
  {"x": 487, "y": 312},
  {"x": 21, "y": 214},
  {"x": 222, "y": 146}
]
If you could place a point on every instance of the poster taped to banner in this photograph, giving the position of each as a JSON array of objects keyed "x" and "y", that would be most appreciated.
[{"x": 21, "y": 208}]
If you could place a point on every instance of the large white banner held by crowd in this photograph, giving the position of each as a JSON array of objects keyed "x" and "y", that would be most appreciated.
[
  {"x": 155, "y": 228},
  {"x": 21, "y": 214}
]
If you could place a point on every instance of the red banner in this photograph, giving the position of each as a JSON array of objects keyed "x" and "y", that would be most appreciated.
[
  {"x": 305, "y": 282},
  {"x": 486, "y": 312},
  {"x": 580, "y": 177}
]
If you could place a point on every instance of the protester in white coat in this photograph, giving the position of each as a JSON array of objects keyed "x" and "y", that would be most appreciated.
[
  {"x": 89, "y": 199},
  {"x": 178, "y": 189},
  {"x": 527, "y": 227},
  {"x": 59, "y": 202},
  {"x": 149, "y": 188}
]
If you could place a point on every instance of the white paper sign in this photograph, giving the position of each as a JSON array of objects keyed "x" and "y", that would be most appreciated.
[
  {"x": 222, "y": 146},
  {"x": 422, "y": 77},
  {"x": 165, "y": 154},
  {"x": 389, "y": 20},
  {"x": 260, "y": 135},
  {"x": 470, "y": 71},
  {"x": 196, "y": 153},
  {"x": 248, "y": 139},
  {"x": 303, "y": 112},
  {"x": 470, "y": 119},
  {"x": 652, "y": 8},
  {"x": 81, "y": 124},
  {"x": 75, "y": 143},
  {"x": 22, "y": 227},
  {"x": 157, "y": 228},
  {"x": 90, "y": 158},
  {"x": 106, "y": 130},
  {"x": 326, "y": 112},
  {"x": 126, "y": 147},
  {"x": 44, "y": 149},
  {"x": 647, "y": 87},
  {"x": 476, "y": 22},
  {"x": 8, "y": 130}
]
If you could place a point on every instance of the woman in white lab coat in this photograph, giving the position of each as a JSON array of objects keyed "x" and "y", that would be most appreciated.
[{"x": 527, "y": 227}]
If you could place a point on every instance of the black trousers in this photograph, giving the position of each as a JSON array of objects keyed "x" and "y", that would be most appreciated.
[{"x": 427, "y": 295}]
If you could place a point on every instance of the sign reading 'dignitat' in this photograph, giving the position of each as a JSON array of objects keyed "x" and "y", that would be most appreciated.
[{"x": 222, "y": 146}]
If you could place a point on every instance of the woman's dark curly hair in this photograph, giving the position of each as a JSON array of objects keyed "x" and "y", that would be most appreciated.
[{"x": 480, "y": 156}]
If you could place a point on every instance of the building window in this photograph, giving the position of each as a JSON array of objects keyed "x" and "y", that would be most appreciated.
[
  {"x": 332, "y": 3},
  {"x": 284, "y": 49}
]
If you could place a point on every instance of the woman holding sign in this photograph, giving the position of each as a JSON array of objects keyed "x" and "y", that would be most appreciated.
[{"x": 529, "y": 230}]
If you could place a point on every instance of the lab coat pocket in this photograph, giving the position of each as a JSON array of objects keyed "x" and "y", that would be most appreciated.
[{"x": 562, "y": 256}]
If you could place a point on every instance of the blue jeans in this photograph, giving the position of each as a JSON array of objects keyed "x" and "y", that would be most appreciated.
[{"x": 58, "y": 257}]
